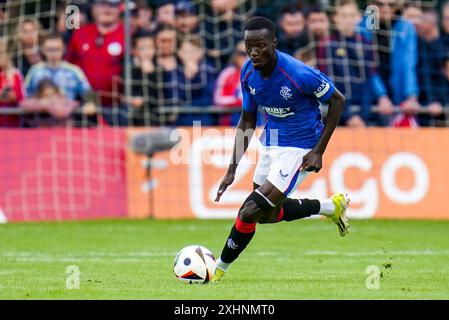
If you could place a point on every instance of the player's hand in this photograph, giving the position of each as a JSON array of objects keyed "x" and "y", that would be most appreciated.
[
  {"x": 312, "y": 161},
  {"x": 227, "y": 181}
]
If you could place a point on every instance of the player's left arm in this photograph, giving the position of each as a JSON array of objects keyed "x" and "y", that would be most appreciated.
[{"x": 313, "y": 161}]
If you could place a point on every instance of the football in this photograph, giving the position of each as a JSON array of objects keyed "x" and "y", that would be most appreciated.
[{"x": 194, "y": 264}]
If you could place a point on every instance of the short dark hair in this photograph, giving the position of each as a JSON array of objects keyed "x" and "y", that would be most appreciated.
[
  {"x": 314, "y": 9},
  {"x": 259, "y": 23},
  {"x": 44, "y": 84},
  {"x": 51, "y": 36},
  {"x": 163, "y": 27},
  {"x": 292, "y": 8},
  {"x": 141, "y": 34}
]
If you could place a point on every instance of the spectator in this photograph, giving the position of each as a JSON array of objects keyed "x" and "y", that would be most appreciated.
[
  {"x": 168, "y": 76},
  {"x": 70, "y": 79},
  {"x": 430, "y": 60},
  {"x": 315, "y": 39},
  {"x": 197, "y": 81},
  {"x": 11, "y": 86},
  {"x": 397, "y": 54},
  {"x": 144, "y": 18},
  {"x": 26, "y": 46},
  {"x": 222, "y": 32},
  {"x": 144, "y": 89},
  {"x": 353, "y": 68},
  {"x": 445, "y": 25},
  {"x": 97, "y": 49},
  {"x": 165, "y": 13},
  {"x": 228, "y": 92},
  {"x": 187, "y": 20},
  {"x": 48, "y": 99},
  {"x": 291, "y": 25}
]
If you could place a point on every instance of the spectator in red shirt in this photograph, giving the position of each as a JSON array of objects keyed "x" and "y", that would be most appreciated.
[
  {"x": 98, "y": 49},
  {"x": 11, "y": 86},
  {"x": 228, "y": 92}
]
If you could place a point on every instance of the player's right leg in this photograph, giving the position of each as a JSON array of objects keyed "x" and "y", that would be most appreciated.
[{"x": 295, "y": 209}]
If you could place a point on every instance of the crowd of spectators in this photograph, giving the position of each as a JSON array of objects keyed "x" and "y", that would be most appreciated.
[{"x": 394, "y": 71}]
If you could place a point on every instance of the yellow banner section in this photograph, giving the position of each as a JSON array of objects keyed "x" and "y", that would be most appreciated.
[{"x": 388, "y": 173}]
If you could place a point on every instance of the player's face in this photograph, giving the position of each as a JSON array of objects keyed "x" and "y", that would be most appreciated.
[{"x": 260, "y": 47}]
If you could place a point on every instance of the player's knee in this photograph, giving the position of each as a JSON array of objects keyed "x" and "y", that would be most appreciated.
[
  {"x": 248, "y": 212},
  {"x": 255, "y": 208},
  {"x": 270, "y": 216}
]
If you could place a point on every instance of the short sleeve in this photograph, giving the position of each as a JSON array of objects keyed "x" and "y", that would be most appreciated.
[
  {"x": 315, "y": 83},
  {"x": 248, "y": 102}
]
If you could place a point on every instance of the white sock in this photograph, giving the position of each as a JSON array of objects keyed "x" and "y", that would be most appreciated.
[
  {"x": 222, "y": 265},
  {"x": 327, "y": 207}
]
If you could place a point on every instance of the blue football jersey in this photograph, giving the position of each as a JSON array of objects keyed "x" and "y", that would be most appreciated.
[{"x": 290, "y": 97}]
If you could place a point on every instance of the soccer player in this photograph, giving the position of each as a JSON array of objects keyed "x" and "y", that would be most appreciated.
[{"x": 294, "y": 139}]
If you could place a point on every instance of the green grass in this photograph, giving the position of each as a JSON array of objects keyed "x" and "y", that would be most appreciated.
[{"x": 298, "y": 260}]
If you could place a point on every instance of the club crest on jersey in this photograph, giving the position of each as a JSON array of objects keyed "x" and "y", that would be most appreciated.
[{"x": 286, "y": 92}]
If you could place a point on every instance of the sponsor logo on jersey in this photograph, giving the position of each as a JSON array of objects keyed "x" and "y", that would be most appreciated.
[
  {"x": 278, "y": 112},
  {"x": 322, "y": 90},
  {"x": 286, "y": 92},
  {"x": 252, "y": 90}
]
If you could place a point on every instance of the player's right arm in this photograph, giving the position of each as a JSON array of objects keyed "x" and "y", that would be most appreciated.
[{"x": 244, "y": 133}]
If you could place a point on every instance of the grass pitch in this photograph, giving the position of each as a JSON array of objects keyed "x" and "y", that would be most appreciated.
[{"x": 297, "y": 260}]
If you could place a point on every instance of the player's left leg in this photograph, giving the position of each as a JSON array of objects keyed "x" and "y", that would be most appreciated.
[{"x": 258, "y": 206}]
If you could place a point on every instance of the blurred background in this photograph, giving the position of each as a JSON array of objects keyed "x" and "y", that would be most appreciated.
[{"x": 80, "y": 80}]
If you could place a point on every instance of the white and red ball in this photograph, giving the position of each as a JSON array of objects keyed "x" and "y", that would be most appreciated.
[{"x": 194, "y": 264}]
